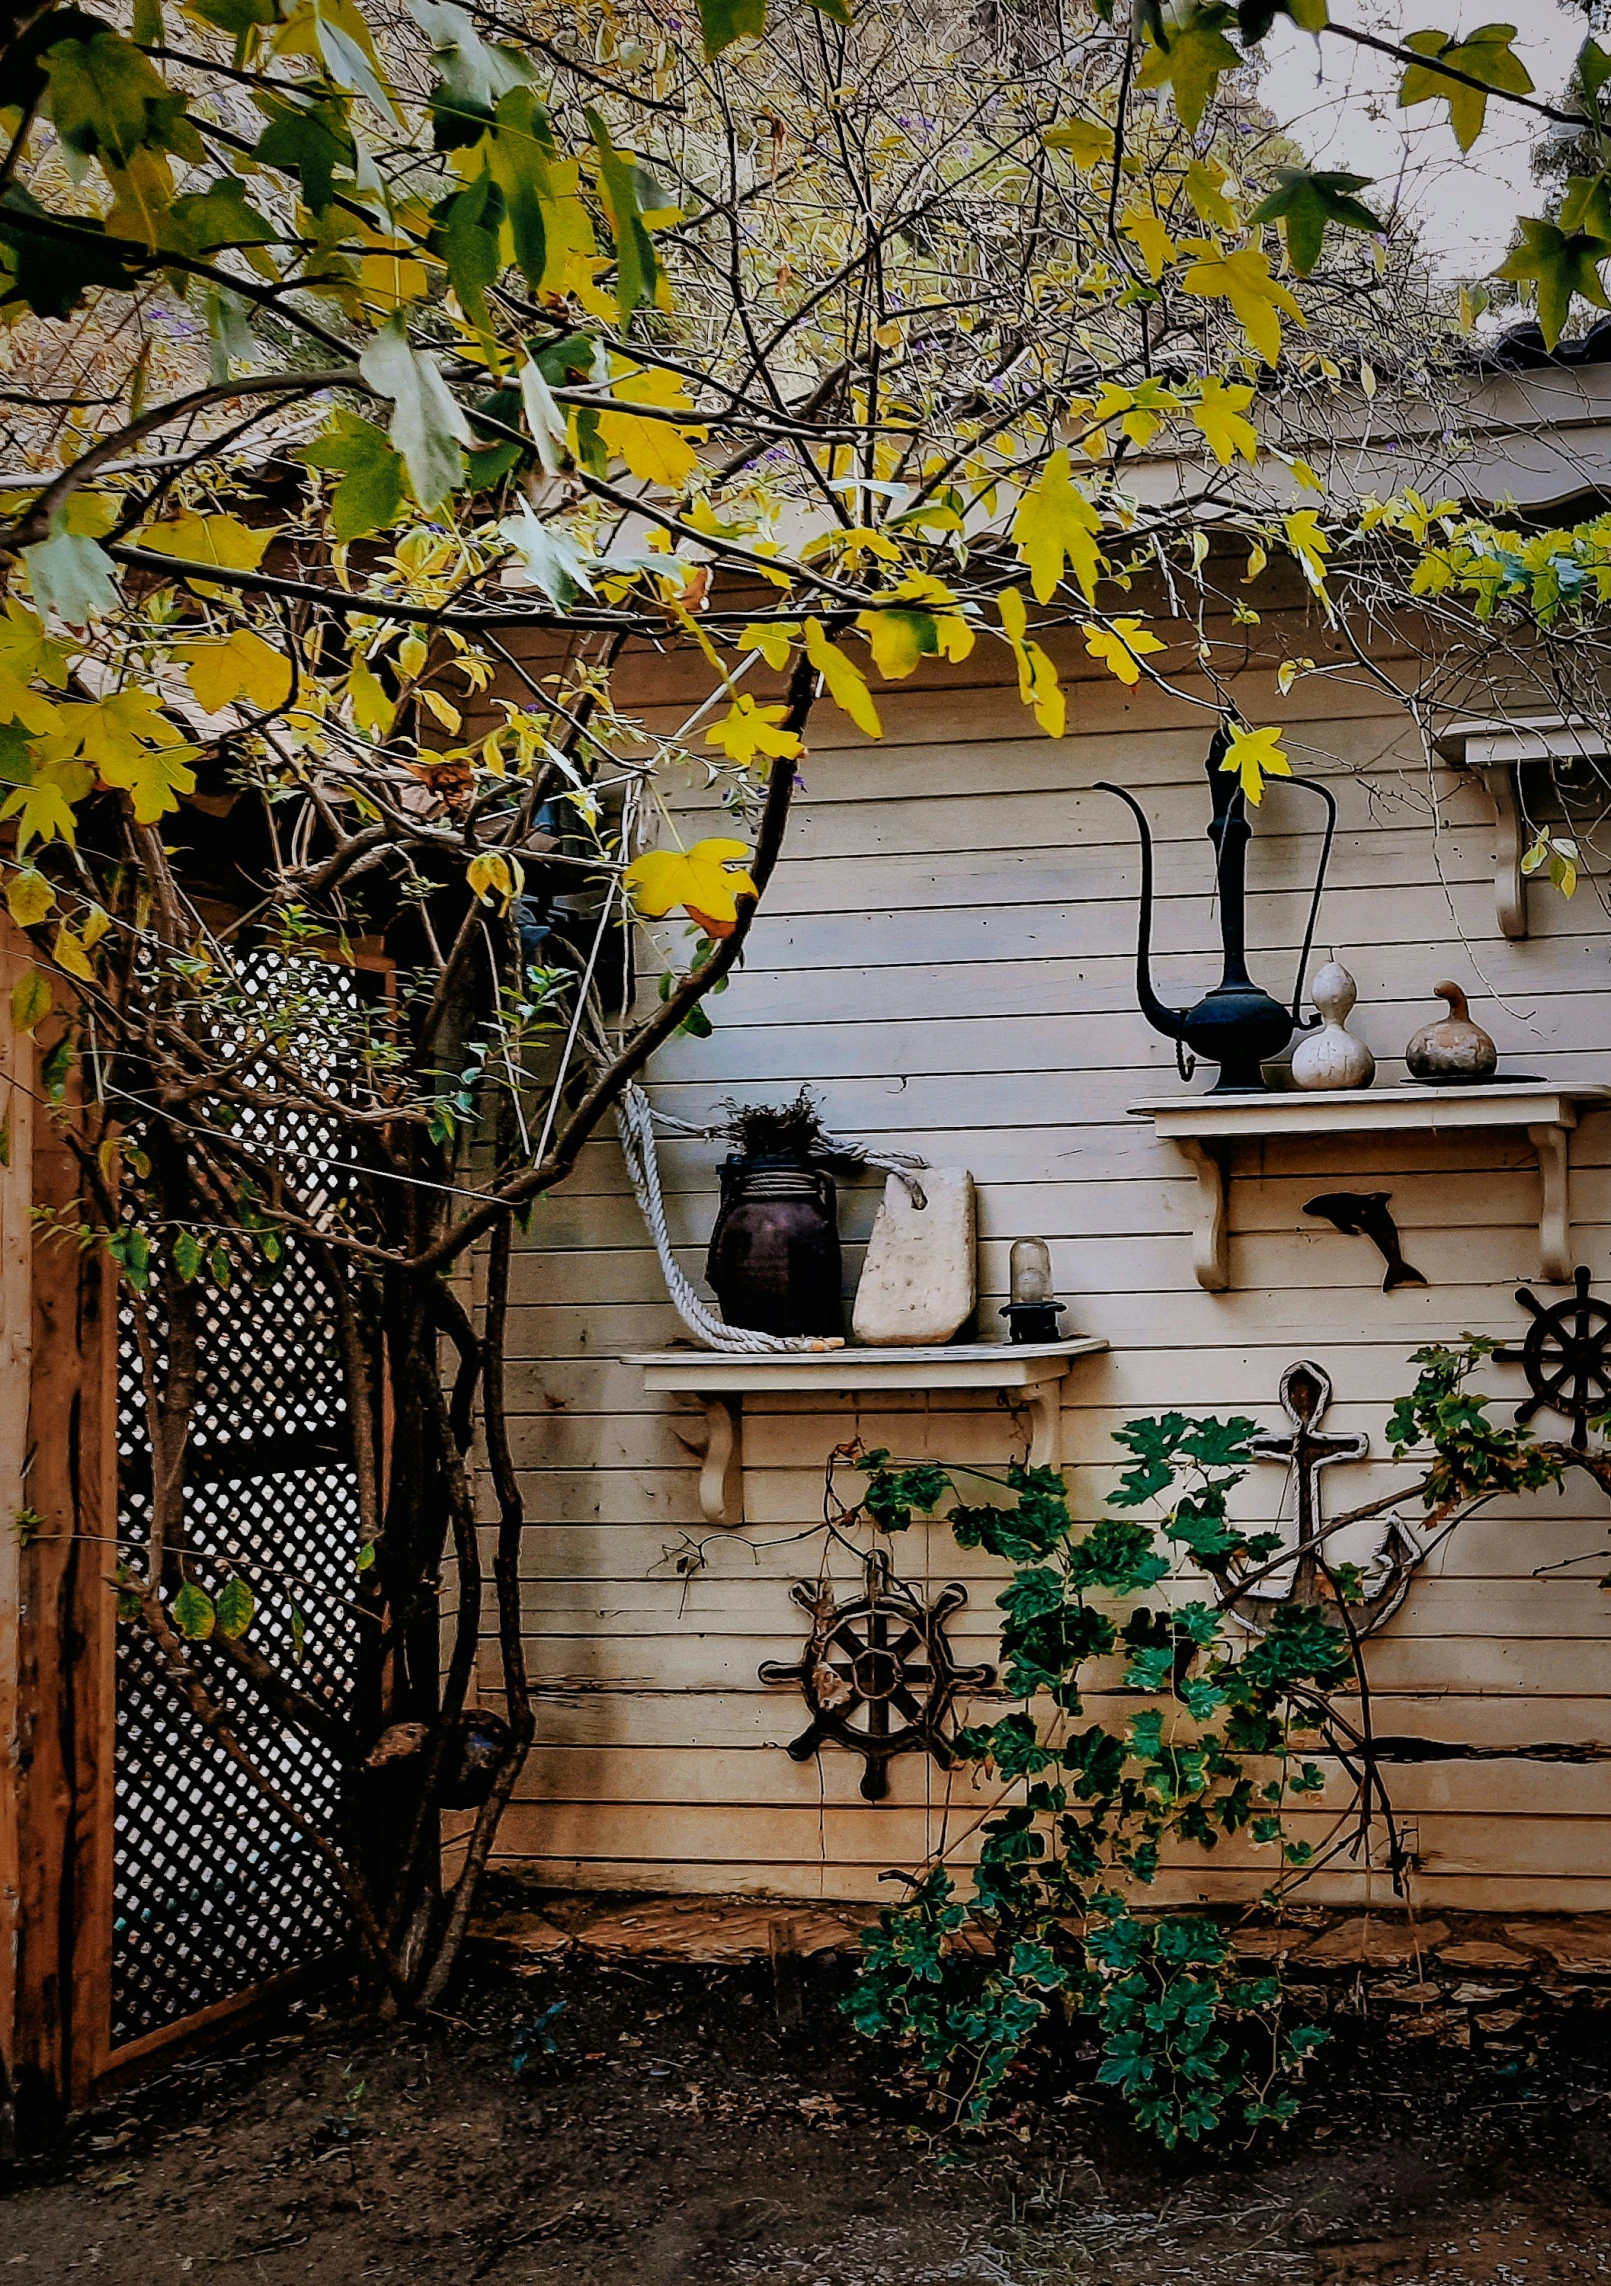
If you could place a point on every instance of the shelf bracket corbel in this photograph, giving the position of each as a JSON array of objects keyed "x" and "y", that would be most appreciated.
[
  {"x": 1210, "y": 1243},
  {"x": 1555, "y": 1203},
  {"x": 1510, "y": 883},
  {"x": 1045, "y": 1402},
  {"x": 721, "y": 1450}
]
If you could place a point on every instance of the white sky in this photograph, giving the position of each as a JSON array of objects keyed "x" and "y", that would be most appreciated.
[{"x": 1338, "y": 102}]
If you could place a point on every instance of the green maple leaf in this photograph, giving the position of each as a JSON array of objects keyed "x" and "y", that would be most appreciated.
[
  {"x": 105, "y": 99},
  {"x": 1192, "y": 61},
  {"x": 724, "y": 21},
  {"x": 1558, "y": 264},
  {"x": 370, "y": 494},
  {"x": 637, "y": 269},
  {"x": 52, "y": 275},
  {"x": 1587, "y": 207},
  {"x": 1254, "y": 18},
  {"x": 466, "y": 234},
  {"x": 1303, "y": 204},
  {"x": 1486, "y": 55},
  {"x": 310, "y": 142},
  {"x": 428, "y": 427},
  {"x": 522, "y": 147},
  {"x": 222, "y": 215},
  {"x": 22, "y": 73}
]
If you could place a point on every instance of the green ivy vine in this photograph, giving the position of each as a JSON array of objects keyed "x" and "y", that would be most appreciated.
[{"x": 1220, "y": 1743}]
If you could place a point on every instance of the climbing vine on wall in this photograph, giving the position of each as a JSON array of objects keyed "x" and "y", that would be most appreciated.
[{"x": 1221, "y": 1740}]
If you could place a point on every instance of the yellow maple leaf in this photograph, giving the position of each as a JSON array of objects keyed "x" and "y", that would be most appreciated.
[
  {"x": 390, "y": 279},
  {"x": 1038, "y": 686},
  {"x": 1255, "y": 755},
  {"x": 1055, "y": 520},
  {"x": 1309, "y": 544},
  {"x": 660, "y": 452},
  {"x": 495, "y": 878},
  {"x": 1121, "y": 646},
  {"x": 44, "y": 808},
  {"x": 1220, "y": 414},
  {"x": 1150, "y": 238},
  {"x": 773, "y": 638},
  {"x": 221, "y": 540},
  {"x": 705, "y": 881},
  {"x": 243, "y": 665},
  {"x": 1243, "y": 279},
  {"x": 1086, "y": 141},
  {"x": 28, "y": 655},
  {"x": 747, "y": 730},
  {"x": 131, "y": 746},
  {"x": 843, "y": 680},
  {"x": 372, "y": 711},
  {"x": 1205, "y": 187}
]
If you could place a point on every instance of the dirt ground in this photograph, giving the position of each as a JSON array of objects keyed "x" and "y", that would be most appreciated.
[{"x": 613, "y": 2125}]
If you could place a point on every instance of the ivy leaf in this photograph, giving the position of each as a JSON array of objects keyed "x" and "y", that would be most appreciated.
[
  {"x": 370, "y": 494},
  {"x": 637, "y": 268},
  {"x": 1055, "y": 520},
  {"x": 1191, "y": 62},
  {"x": 31, "y": 1000},
  {"x": 428, "y": 427},
  {"x": 193, "y": 1613},
  {"x": 1303, "y": 204},
  {"x": 1558, "y": 265},
  {"x": 724, "y": 21},
  {"x": 1485, "y": 55},
  {"x": 236, "y": 1604},
  {"x": 188, "y": 1255},
  {"x": 29, "y": 897}
]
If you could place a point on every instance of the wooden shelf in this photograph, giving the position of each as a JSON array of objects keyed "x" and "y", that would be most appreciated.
[
  {"x": 1205, "y": 1126},
  {"x": 721, "y": 1377}
]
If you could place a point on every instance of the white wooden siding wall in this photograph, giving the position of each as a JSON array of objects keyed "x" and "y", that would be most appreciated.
[{"x": 946, "y": 956}]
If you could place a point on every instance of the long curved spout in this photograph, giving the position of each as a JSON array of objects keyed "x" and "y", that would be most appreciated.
[{"x": 1168, "y": 1021}]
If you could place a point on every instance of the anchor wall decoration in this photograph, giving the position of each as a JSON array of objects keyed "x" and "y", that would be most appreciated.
[
  {"x": 881, "y": 1656},
  {"x": 1306, "y": 1449}
]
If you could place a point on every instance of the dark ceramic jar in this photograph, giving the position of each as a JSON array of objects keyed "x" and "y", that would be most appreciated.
[{"x": 774, "y": 1253}]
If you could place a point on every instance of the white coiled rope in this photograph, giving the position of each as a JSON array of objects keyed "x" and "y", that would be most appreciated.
[{"x": 635, "y": 1119}]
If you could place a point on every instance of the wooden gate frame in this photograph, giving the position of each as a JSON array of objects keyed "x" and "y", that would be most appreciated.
[{"x": 58, "y": 1529}]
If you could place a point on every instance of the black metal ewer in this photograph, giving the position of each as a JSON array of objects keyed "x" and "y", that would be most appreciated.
[{"x": 1237, "y": 1025}]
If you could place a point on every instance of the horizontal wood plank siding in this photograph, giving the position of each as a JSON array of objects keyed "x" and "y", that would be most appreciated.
[{"x": 946, "y": 957}]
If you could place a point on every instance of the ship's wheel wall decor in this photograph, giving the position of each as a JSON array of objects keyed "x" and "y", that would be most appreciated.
[
  {"x": 1564, "y": 1358},
  {"x": 877, "y": 1673}
]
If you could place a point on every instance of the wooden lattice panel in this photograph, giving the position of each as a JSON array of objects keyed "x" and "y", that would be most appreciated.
[{"x": 213, "y": 1890}]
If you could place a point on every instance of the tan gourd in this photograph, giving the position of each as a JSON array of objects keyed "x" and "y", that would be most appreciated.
[{"x": 1454, "y": 1048}]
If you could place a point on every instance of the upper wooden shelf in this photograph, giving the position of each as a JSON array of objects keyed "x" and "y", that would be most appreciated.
[
  {"x": 1204, "y": 1126},
  {"x": 720, "y": 1378}
]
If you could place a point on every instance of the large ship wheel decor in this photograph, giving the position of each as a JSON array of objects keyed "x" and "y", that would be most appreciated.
[
  {"x": 1565, "y": 1358},
  {"x": 877, "y": 1673}
]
